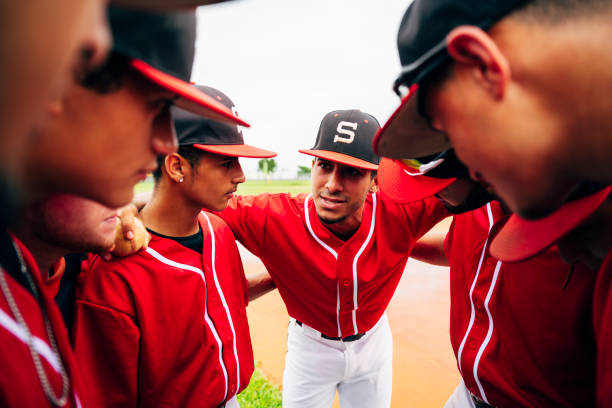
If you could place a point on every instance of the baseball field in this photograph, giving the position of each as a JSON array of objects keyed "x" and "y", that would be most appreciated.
[{"x": 424, "y": 368}]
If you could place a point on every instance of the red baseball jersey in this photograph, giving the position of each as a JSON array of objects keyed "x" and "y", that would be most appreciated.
[
  {"x": 521, "y": 332},
  {"x": 602, "y": 319},
  {"x": 338, "y": 287},
  {"x": 166, "y": 326},
  {"x": 20, "y": 385}
]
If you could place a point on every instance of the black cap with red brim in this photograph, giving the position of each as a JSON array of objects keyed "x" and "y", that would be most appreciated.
[
  {"x": 161, "y": 48},
  {"x": 345, "y": 136},
  {"x": 407, "y": 134},
  {"x": 520, "y": 239},
  {"x": 399, "y": 185},
  {"x": 421, "y": 43},
  {"x": 340, "y": 158},
  {"x": 211, "y": 135}
]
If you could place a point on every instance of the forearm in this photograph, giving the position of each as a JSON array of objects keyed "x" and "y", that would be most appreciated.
[
  {"x": 259, "y": 284},
  {"x": 430, "y": 249}
]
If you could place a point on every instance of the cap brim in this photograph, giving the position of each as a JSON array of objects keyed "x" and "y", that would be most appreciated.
[
  {"x": 402, "y": 187},
  {"x": 340, "y": 158},
  {"x": 407, "y": 134},
  {"x": 520, "y": 239},
  {"x": 241, "y": 150},
  {"x": 188, "y": 96},
  {"x": 162, "y": 5}
]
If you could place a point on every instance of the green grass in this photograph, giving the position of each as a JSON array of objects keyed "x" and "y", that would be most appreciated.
[
  {"x": 260, "y": 393},
  {"x": 251, "y": 187}
]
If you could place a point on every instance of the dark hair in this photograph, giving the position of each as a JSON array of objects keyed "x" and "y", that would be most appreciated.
[
  {"x": 107, "y": 77},
  {"x": 189, "y": 153},
  {"x": 555, "y": 11}
]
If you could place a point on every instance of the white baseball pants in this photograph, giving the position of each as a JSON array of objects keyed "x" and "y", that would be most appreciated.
[
  {"x": 460, "y": 398},
  {"x": 315, "y": 367}
]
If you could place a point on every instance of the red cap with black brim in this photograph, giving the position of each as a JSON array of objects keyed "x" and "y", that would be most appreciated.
[
  {"x": 161, "y": 48},
  {"x": 520, "y": 239},
  {"x": 211, "y": 135},
  {"x": 345, "y": 136}
]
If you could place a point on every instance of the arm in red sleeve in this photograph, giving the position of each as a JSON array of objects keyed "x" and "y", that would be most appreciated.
[
  {"x": 423, "y": 215},
  {"x": 107, "y": 343},
  {"x": 247, "y": 216}
]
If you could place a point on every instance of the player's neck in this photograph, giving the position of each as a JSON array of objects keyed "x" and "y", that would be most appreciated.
[
  {"x": 169, "y": 214},
  {"x": 45, "y": 254},
  {"x": 346, "y": 228}
]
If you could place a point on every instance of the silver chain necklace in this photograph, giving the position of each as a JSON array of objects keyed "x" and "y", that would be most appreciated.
[{"x": 42, "y": 375}]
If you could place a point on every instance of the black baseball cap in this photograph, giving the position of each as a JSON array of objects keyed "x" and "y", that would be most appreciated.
[
  {"x": 421, "y": 43},
  {"x": 161, "y": 47},
  {"x": 210, "y": 135},
  {"x": 345, "y": 136}
]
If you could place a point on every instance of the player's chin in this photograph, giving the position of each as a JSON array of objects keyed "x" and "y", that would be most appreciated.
[
  {"x": 219, "y": 205},
  {"x": 330, "y": 218},
  {"x": 114, "y": 197}
]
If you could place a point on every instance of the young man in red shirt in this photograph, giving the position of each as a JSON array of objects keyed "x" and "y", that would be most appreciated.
[
  {"x": 167, "y": 325},
  {"x": 336, "y": 256},
  {"x": 521, "y": 332},
  {"x": 100, "y": 138}
]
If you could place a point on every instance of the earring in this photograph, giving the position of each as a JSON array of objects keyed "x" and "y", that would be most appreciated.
[{"x": 181, "y": 180}]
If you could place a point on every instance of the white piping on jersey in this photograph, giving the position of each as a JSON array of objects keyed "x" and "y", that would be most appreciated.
[
  {"x": 485, "y": 343},
  {"x": 207, "y": 318},
  {"x": 41, "y": 346},
  {"x": 307, "y": 217},
  {"x": 472, "y": 313},
  {"x": 331, "y": 251},
  {"x": 227, "y": 311},
  {"x": 355, "y": 259},
  {"x": 363, "y": 247}
]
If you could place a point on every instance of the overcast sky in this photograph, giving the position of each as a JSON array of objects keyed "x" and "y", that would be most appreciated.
[{"x": 286, "y": 63}]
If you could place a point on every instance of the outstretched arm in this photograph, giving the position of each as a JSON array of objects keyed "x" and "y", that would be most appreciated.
[
  {"x": 259, "y": 284},
  {"x": 430, "y": 249}
]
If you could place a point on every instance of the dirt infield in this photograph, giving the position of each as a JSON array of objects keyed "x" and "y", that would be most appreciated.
[{"x": 424, "y": 368}]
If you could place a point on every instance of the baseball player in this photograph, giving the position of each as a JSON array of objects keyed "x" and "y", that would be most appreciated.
[
  {"x": 32, "y": 71},
  {"x": 61, "y": 229},
  {"x": 521, "y": 332},
  {"x": 167, "y": 325},
  {"x": 336, "y": 256},
  {"x": 581, "y": 227},
  {"x": 443, "y": 45},
  {"x": 513, "y": 80},
  {"x": 121, "y": 107}
]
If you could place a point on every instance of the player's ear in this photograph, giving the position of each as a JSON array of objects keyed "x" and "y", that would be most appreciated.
[
  {"x": 175, "y": 167},
  {"x": 313, "y": 162},
  {"x": 373, "y": 185},
  {"x": 472, "y": 48}
]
